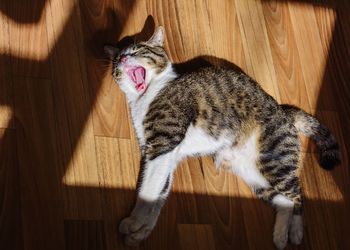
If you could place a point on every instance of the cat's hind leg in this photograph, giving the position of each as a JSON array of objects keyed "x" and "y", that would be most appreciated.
[
  {"x": 291, "y": 189},
  {"x": 284, "y": 212},
  {"x": 278, "y": 163},
  {"x": 296, "y": 225},
  {"x": 288, "y": 221},
  {"x": 293, "y": 202},
  {"x": 296, "y": 229}
]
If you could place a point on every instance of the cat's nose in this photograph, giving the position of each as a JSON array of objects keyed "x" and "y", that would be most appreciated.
[{"x": 123, "y": 59}]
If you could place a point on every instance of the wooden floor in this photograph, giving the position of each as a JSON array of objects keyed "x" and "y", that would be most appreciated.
[{"x": 68, "y": 157}]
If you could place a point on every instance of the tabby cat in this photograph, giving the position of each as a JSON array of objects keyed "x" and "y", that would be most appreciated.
[{"x": 213, "y": 111}]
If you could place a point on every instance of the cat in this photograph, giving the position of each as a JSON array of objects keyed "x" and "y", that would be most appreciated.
[{"x": 213, "y": 111}]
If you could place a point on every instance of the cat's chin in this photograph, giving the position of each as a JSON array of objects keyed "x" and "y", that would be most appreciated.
[{"x": 131, "y": 90}]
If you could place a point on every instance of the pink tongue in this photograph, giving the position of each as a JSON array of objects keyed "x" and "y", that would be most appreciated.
[{"x": 139, "y": 75}]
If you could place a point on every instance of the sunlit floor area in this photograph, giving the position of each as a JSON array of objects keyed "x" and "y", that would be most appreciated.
[{"x": 69, "y": 159}]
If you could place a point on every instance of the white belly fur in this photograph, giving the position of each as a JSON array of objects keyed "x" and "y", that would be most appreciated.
[
  {"x": 198, "y": 142},
  {"x": 242, "y": 160}
]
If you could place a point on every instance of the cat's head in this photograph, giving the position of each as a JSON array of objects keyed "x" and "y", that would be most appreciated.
[{"x": 135, "y": 67}]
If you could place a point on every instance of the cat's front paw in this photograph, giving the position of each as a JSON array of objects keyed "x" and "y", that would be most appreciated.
[{"x": 135, "y": 230}]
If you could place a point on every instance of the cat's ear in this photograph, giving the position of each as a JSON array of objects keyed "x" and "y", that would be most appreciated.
[
  {"x": 158, "y": 36},
  {"x": 110, "y": 51}
]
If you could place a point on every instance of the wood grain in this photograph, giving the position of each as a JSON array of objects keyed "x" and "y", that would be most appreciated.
[
  {"x": 41, "y": 200},
  {"x": 226, "y": 216},
  {"x": 6, "y": 97},
  {"x": 87, "y": 235},
  {"x": 285, "y": 55},
  {"x": 69, "y": 158},
  {"x": 196, "y": 237},
  {"x": 116, "y": 173},
  {"x": 29, "y": 42},
  {"x": 10, "y": 203},
  {"x": 256, "y": 45},
  {"x": 100, "y": 27},
  {"x": 308, "y": 41},
  {"x": 6, "y": 87},
  {"x": 76, "y": 144}
]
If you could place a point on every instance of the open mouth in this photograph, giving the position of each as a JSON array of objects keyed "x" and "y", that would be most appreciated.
[{"x": 138, "y": 76}]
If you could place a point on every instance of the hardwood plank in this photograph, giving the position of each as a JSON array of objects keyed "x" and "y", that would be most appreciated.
[
  {"x": 110, "y": 112},
  {"x": 334, "y": 204},
  {"x": 115, "y": 163},
  {"x": 84, "y": 235},
  {"x": 76, "y": 145},
  {"x": 188, "y": 180},
  {"x": 6, "y": 87},
  {"x": 118, "y": 181},
  {"x": 27, "y": 28},
  {"x": 326, "y": 19},
  {"x": 226, "y": 39},
  {"x": 10, "y": 203},
  {"x": 314, "y": 236},
  {"x": 258, "y": 217},
  {"x": 6, "y": 101},
  {"x": 312, "y": 56},
  {"x": 285, "y": 55},
  {"x": 38, "y": 164},
  {"x": 5, "y": 32},
  {"x": 256, "y": 45},
  {"x": 196, "y": 237},
  {"x": 99, "y": 27},
  {"x": 224, "y": 205}
]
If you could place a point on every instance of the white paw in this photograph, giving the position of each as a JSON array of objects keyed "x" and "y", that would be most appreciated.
[
  {"x": 135, "y": 230},
  {"x": 296, "y": 230},
  {"x": 280, "y": 239}
]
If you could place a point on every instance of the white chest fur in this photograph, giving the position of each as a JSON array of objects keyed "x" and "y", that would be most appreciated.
[
  {"x": 139, "y": 105},
  {"x": 138, "y": 112}
]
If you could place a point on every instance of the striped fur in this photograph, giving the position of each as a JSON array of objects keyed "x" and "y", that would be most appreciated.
[{"x": 215, "y": 111}]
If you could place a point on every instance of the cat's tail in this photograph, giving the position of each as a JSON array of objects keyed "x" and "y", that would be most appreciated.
[{"x": 326, "y": 143}]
